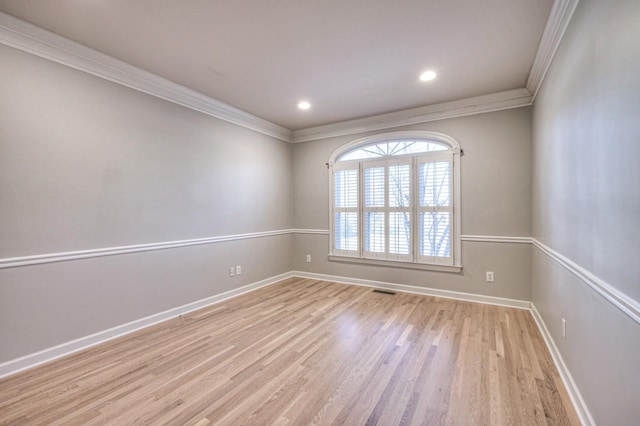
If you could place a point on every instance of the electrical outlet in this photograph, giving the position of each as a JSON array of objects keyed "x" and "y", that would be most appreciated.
[
  {"x": 238, "y": 269},
  {"x": 564, "y": 328},
  {"x": 490, "y": 277},
  {"x": 308, "y": 258},
  {"x": 232, "y": 272}
]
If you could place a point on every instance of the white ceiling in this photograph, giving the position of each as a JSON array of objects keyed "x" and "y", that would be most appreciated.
[{"x": 349, "y": 58}]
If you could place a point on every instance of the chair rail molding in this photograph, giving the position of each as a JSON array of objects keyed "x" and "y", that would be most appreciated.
[
  {"x": 620, "y": 300},
  {"x": 13, "y": 262}
]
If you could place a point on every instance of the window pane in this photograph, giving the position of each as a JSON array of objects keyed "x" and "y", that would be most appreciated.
[
  {"x": 374, "y": 232},
  {"x": 400, "y": 232},
  {"x": 398, "y": 147},
  {"x": 346, "y": 231},
  {"x": 435, "y": 234},
  {"x": 404, "y": 147},
  {"x": 346, "y": 188},
  {"x": 374, "y": 187},
  {"x": 400, "y": 185},
  {"x": 435, "y": 183}
]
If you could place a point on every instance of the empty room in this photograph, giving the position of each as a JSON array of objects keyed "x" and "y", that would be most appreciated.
[{"x": 278, "y": 212}]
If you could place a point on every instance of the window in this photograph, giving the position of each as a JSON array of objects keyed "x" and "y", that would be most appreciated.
[{"x": 395, "y": 199}]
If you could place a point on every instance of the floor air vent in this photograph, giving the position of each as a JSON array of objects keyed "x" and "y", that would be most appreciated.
[{"x": 390, "y": 293}]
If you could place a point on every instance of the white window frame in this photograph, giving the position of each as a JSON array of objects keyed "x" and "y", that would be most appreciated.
[
  {"x": 421, "y": 159},
  {"x": 412, "y": 261},
  {"x": 334, "y": 210}
]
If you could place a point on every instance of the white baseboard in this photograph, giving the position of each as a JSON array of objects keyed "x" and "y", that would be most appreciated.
[
  {"x": 29, "y": 361},
  {"x": 468, "y": 297},
  {"x": 574, "y": 393},
  {"x": 32, "y": 360}
]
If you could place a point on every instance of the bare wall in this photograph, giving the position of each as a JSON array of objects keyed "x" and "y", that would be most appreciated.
[
  {"x": 88, "y": 164},
  {"x": 586, "y": 202}
]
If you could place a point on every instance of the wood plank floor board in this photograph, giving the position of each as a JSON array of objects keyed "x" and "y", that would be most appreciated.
[{"x": 306, "y": 351}]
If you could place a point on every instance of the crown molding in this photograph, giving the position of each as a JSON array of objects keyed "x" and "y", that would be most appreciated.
[
  {"x": 559, "y": 18},
  {"x": 21, "y": 35},
  {"x": 508, "y": 99},
  {"x": 35, "y": 40}
]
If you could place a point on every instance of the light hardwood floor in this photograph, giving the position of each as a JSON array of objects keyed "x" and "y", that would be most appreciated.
[{"x": 306, "y": 352}]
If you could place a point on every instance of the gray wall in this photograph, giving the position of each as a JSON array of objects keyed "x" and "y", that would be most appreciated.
[
  {"x": 496, "y": 201},
  {"x": 586, "y": 202},
  {"x": 89, "y": 164}
]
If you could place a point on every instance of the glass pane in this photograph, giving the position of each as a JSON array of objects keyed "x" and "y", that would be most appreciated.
[
  {"x": 404, "y": 147},
  {"x": 400, "y": 186},
  {"x": 346, "y": 231},
  {"x": 397, "y": 147},
  {"x": 346, "y": 188},
  {"x": 374, "y": 187},
  {"x": 435, "y": 234},
  {"x": 374, "y": 232},
  {"x": 435, "y": 183},
  {"x": 400, "y": 232}
]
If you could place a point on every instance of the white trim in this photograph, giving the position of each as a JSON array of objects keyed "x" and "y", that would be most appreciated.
[
  {"x": 21, "y": 35},
  {"x": 508, "y": 99},
  {"x": 574, "y": 393},
  {"x": 610, "y": 293},
  {"x": 29, "y": 361},
  {"x": 496, "y": 239},
  {"x": 557, "y": 24},
  {"x": 623, "y": 302},
  {"x": 471, "y": 238},
  {"x": 448, "y": 294},
  {"x": 110, "y": 251},
  {"x": 396, "y": 263},
  {"x": 441, "y": 138},
  {"x": 45, "y": 44},
  {"x": 311, "y": 231},
  {"x": 617, "y": 298}
]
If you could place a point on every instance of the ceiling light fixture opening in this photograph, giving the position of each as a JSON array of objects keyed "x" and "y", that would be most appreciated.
[
  {"x": 304, "y": 105},
  {"x": 428, "y": 75}
]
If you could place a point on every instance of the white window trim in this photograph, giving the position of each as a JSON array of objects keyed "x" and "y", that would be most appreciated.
[
  {"x": 358, "y": 257},
  {"x": 332, "y": 211}
]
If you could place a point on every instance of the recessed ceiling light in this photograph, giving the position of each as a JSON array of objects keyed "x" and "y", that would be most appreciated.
[
  {"x": 428, "y": 75},
  {"x": 304, "y": 105}
]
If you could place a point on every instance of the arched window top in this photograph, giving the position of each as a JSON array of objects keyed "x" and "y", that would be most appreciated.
[
  {"x": 395, "y": 144},
  {"x": 393, "y": 148}
]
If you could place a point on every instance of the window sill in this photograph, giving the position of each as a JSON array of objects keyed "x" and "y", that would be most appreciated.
[{"x": 397, "y": 264}]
